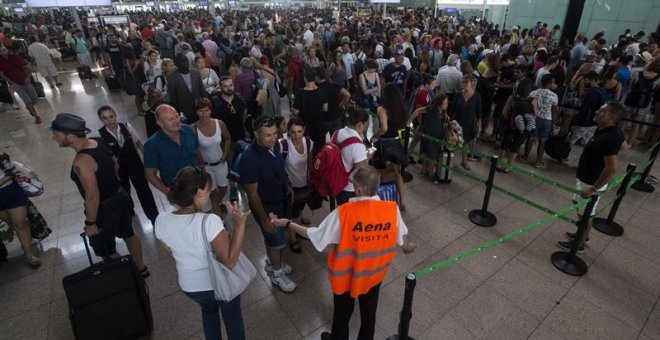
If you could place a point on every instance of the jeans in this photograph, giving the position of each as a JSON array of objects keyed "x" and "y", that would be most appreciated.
[{"x": 231, "y": 314}]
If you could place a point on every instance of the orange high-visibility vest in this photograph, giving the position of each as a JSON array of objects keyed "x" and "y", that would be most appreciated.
[{"x": 366, "y": 246}]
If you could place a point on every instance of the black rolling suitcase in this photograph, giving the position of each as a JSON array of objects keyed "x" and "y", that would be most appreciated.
[
  {"x": 108, "y": 301},
  {"x": 85, "y": 72},
  {"x": 113, "y": 82}
]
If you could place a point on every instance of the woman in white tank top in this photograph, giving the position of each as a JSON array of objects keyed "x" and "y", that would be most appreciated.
[
  {"x": 297, "y": 153},
  {"x": 214, "y": 140}
]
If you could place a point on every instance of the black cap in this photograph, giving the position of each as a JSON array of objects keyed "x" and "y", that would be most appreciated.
[{"x": 67, "y": 122}]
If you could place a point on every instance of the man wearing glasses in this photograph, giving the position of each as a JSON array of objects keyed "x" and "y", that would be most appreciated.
[{"x": 266, "y": 184}]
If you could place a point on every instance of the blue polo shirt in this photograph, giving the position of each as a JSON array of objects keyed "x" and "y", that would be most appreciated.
[
  {"x": 260, "y": 165},
  {"x": 162, "y": 153}
]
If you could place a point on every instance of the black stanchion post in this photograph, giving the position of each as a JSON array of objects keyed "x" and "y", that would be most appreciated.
[
  {"x": 608, "y": 226},
  {"x": 407, "y": 176},
  {"x": 406, "y": 311},
  {"x": 570, "y": 263},
  {"x": 642, "y": 185},
  {"x": 483, "y": 217}
]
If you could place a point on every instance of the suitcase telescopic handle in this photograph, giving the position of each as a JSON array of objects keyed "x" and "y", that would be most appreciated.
[{"x": 89, "y": 254}]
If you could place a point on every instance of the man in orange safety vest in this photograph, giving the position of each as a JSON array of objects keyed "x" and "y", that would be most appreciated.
[{"x": 365, "y": 232}]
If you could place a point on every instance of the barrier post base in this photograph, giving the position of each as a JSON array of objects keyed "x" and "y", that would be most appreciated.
[
  {"x": 612, "y": 229},
  {"x": 482, "y": 218},
  {"x": 643, "y": 187},
  {"x": 569, "y": 264}
]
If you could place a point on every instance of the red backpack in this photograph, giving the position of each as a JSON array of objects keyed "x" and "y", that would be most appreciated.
[{"x": 328, "y": 175}]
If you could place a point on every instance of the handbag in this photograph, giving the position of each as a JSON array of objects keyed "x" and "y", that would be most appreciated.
[
  {"x": 228, "y": 283},
  {"x": 5, "y": 95},
  {"x": 132, "y": 86},
  {"x": 38, "y": 87},
  {"x": 27, "y": 179},
  {"x": 279, "y": 87},
  {"x": 38, "y": 226}
]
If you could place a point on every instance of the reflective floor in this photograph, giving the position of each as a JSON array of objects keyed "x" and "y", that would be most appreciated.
[{"x": 511, "y": 291}]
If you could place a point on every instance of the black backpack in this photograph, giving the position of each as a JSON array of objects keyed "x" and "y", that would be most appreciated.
[
  {"x": 387, "y": 54},
  {"x": 558, "y": 147},
  {"x": 642, "y": 93},
  {"x": 359, "y": 66}
]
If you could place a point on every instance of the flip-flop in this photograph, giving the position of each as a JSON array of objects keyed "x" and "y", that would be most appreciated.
[{"x": 295, "y": 247}]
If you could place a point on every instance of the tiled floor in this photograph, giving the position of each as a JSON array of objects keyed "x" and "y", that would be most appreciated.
[{"x": 511, "y": 291}]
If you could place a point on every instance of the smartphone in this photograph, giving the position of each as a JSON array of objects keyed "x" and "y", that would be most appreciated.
[{"x": 372, "y": 149}]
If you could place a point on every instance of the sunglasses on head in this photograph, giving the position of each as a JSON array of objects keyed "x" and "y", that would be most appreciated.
[{"x": 265, "y": 122}]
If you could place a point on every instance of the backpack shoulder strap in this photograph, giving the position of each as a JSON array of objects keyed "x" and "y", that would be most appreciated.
[
  {"x": 348, "y": 141},
  {"x": 285, "y": 147}
]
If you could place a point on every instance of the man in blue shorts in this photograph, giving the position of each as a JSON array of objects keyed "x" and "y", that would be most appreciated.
[{"x": 266, "y": 184}]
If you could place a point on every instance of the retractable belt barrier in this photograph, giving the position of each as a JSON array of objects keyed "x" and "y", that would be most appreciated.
[{"x": 567, "y": 262}]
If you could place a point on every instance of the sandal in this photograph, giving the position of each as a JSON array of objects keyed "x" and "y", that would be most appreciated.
[
  {"x": 539, "y": 165},
  {"x": 145, "y": 272},
  {"x": 295, "y": 247},
  {"x": 32, "y": 261}
]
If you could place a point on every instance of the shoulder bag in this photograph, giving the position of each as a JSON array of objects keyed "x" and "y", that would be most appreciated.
[{"x": 228, "y": 283}]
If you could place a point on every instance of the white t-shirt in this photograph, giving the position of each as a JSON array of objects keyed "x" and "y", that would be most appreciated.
[
  {"x": 329, "y": 231},
  {"x": 40, "y": 53},
  {"x": 546, "y": 99},
  {"x": 183, "y": 235},
  {"x": 351, "y": 154},
  {"x": 308, "y": 36},
  {"x": 539, "y": 74},
  {"x": 349, "y": 60}
]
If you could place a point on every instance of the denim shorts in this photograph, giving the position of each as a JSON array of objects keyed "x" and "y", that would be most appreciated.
[
  {"x": 542, "y": 129},
  {"x": 277, "y": 239}
]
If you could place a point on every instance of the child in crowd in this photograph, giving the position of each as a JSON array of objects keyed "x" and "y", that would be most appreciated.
[{"x": 391, "y": 182}]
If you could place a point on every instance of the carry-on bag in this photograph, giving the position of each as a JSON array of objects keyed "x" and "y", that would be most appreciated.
[
  {"x": 108, "y": 300},
  {"x": 85, "y": 72}
]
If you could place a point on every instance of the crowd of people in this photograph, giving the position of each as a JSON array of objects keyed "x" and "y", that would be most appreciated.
[{"x": 210, "y": 87}]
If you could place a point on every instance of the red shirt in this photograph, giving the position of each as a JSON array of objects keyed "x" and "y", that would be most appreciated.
[
  {"x": 421, "y": 99},
  {"x": 13, "y": 68},
  {"x": 147, "y": 34}
]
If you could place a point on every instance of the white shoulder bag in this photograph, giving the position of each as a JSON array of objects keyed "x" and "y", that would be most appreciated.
[{"x": 228, "y": 283}]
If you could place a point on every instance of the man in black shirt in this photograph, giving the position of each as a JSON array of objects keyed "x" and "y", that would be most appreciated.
[
  {"x": 230, "y": 109},
  {"x": 107, "y": 207},
  {"x": 337, "y": 96},
  {"x": 598, "y": 162},
  {"x": 115, "y": 54},
  {"x": 396, "y": 73},
  {"x": 311, "y": 105}
]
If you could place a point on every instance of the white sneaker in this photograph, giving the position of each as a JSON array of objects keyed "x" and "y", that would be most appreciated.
[
  {"x": 283, "y": 281},
  {"x": 286, "y": 269}
]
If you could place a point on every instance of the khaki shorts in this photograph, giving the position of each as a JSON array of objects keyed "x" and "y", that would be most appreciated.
[{"x": 47, "y": 70}]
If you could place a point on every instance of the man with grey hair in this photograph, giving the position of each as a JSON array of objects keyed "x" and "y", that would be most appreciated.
[
  {"x": 365, "y": 232},
  {"x": 450, "y": 78}
]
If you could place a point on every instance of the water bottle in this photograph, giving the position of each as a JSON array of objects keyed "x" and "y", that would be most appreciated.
[{"x": 183, "y": 118}]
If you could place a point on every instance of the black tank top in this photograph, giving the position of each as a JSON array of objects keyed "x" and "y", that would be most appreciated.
[{"x": 106, "y": 176}]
